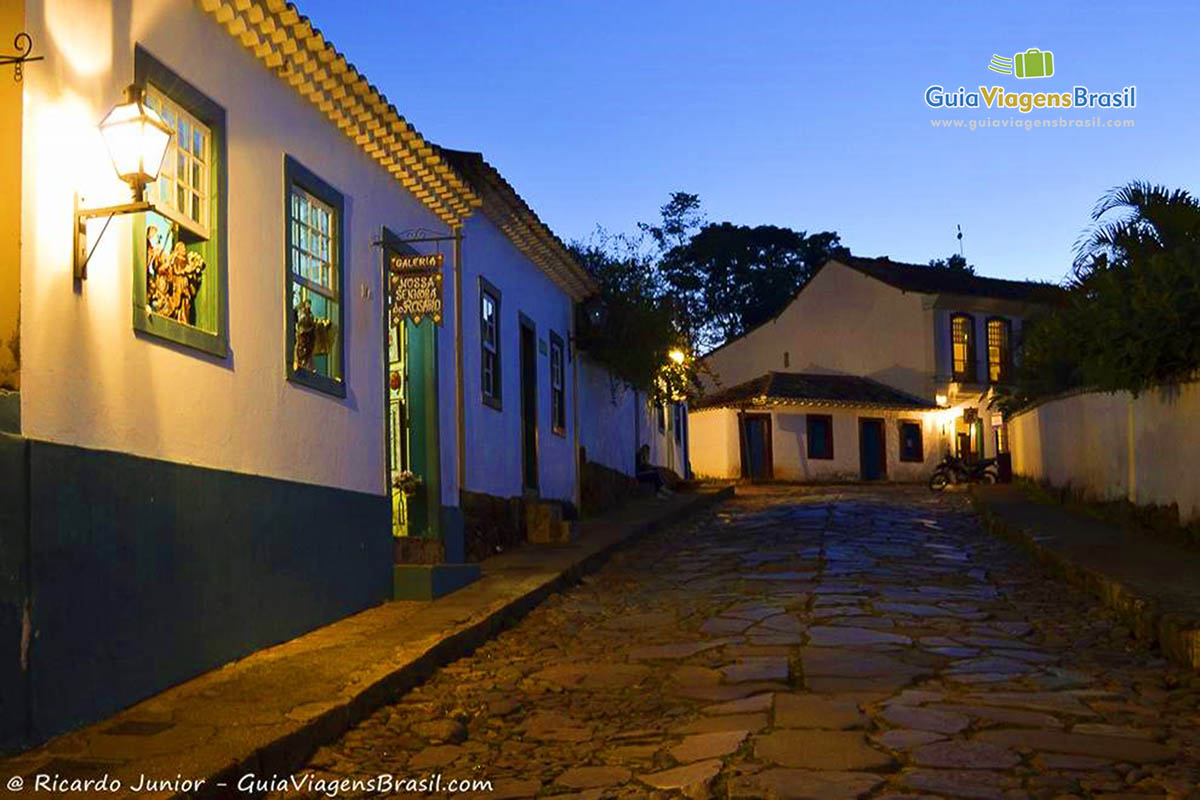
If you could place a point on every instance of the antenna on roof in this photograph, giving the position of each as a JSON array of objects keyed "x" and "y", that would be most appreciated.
[{"x": 960, "y": 245}]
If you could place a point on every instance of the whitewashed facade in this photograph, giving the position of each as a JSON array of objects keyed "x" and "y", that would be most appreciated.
[
  {"x": 940, "y": 341},
  {"x": 192, "y": 485},
  {"x": 516, "y": 265}
]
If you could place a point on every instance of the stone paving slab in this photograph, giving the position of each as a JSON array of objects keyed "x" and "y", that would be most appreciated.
[
  {"x": 619, "y": 689},
  {"x": 267, "y": 713},
  {"x": 1150, "y": 583}
]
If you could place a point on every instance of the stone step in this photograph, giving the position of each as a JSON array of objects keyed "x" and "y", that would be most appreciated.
[{"x": 544, "y": 523}]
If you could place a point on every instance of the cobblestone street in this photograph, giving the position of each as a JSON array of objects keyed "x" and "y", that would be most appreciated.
[{"x": 816, "y": 643}]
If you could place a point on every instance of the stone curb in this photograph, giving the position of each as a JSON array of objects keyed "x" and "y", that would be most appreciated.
[
  {"x": 288, "y": 753},
  {"x": 1177, "y": 635}
]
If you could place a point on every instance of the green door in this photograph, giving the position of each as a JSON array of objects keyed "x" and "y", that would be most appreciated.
[
  {"x": 412, "y": 419},
  {"x": 423, "y": 454}
]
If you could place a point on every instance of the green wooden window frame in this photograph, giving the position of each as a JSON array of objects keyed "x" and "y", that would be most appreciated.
[
  {"x": 298, "y": 178},
  {"x": 819, "y": 446},
  {"x": 210, "y": 333},
  {"x": 912, "y": 445},
  {"x": 490, "y": 355}
]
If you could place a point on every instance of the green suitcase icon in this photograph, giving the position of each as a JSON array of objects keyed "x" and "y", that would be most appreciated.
[{"x": 1034, "y": 63}]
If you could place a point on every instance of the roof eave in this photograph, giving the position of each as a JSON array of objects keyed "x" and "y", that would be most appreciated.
[
  {"x": 286, "y": 42},
  {"x": 774, "y": 402},
  {"x": 509, "y": 212}
]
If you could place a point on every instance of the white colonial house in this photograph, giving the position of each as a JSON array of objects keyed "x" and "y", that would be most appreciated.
[
  {"x": 874, "y": 371},
  {"x": 266, "y": 383}
]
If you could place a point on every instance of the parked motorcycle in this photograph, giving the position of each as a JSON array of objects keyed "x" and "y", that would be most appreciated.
[{"x": 952, "y": 471}]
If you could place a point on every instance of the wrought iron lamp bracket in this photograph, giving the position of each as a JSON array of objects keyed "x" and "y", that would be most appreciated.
[
  {"x": 24, "y": 44},
  {"x": 414, "y": 235},
  {"x": 82, "y": 255}
]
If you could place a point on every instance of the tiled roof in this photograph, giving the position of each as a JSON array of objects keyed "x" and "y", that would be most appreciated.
[
  {"x": 286, "y": 42},
  {"x": 808, "y": 388},
  {"x": 924, "y": 279},
  {"x": 509, "y": 211}
]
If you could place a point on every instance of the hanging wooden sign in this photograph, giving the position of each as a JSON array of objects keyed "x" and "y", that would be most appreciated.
[{"x": 415, "y": 287}]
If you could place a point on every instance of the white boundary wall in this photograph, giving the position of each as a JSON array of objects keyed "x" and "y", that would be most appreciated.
[{"x": 1115, "y": 446}]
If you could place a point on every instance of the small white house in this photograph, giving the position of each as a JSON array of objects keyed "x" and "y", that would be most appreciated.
[
  {"x": 874, "y": 371},
  {"x": 813, "y": 427}
]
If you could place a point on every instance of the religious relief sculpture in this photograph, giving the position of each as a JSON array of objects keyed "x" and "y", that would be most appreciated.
[
  {"x": 172, "y": 279},
  {"x": 314, "y": 337}
]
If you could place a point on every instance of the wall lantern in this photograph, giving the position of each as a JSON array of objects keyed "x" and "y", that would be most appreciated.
[
  {"x": 136, "y": 138},
  {"x": 595, "y": 312}
]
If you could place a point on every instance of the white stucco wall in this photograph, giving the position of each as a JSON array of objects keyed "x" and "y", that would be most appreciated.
[
  {"x": 716, "y": 449},
  {"x": 664, "y": 450},
  {"x": 87, "y": 379},
  {"x": 842, "y": 322},
  {"x": 1115, "y": 446},
  {"x": 615, "y": 421},
  {"x": 493, "y": 437},
  {"x": 606, "y": 417}
]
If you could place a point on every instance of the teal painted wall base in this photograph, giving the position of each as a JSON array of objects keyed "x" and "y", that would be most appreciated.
[
  {"x": 10, "y": 411},
  {"x": 136, "y": 574},
  {"x": 14, "y": 589},
  {"x": 454, "y": 537},
  {"x": 431, "y": 581}
]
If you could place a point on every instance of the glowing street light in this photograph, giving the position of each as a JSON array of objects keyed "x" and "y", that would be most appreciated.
[{"x": 136, "y": 137}]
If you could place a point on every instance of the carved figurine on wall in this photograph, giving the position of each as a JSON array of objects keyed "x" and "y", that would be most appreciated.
[
  {"x": 155, "y": 254},
  {"x": 176, "y": 283},
  {"x": 314, "y": 336}
]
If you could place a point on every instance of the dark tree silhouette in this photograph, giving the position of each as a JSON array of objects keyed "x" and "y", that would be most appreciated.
[
  {"x": 1131, "y": 319},
  {"x": 727, "y": 279},
  {"x": 954, "y": 261}
]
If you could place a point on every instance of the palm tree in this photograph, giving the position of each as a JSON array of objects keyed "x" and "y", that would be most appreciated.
[
  {"x": 1156, "y": 219},
  {"x": 1134, "y": 304}
]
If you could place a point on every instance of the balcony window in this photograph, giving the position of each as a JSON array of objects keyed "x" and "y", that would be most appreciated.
[
  {"x": 999, "y": 337},
  {"x": 962, "y": 347}
]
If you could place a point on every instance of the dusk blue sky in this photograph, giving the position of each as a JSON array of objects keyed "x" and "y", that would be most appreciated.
[{"x": 804, "y": 115}]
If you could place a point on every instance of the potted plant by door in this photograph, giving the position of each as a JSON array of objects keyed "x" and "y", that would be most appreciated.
[
  {"x": 410, "y": 549},
  {"x": 408, "y": 483}
]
